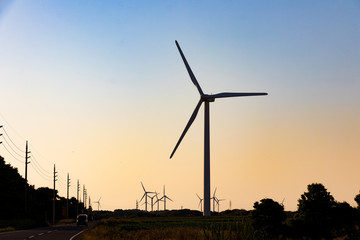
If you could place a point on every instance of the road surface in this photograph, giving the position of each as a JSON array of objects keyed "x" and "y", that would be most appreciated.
[{"x": 62, "y": 232}]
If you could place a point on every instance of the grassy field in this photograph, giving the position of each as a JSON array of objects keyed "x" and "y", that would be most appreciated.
[{"x": 193, "y": 227}]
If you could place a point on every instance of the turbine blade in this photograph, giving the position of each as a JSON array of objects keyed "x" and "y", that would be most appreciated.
[
  {"x": 214, "y": 193},
  {"x": 168, "y": 198},
  {"x": 143, "y": 186},
  {"x": 192, "y": 76},
  {"x": 232, "y": 94},
  {"x": 191, "y": 120},
  {"x": 198, "y": 196},
  {"x": 142, "y": 197}
]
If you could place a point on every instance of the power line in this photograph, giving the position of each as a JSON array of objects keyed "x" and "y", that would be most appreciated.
[
  {"x": 44, "y": 171},
  {"x": 42, "y": 176},
  {"x": 13, "y": 149},
  {"x": 12, "y": 141},
  {"x": 12, "y": 154}
]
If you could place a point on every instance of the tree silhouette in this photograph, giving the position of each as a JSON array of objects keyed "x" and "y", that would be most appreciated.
[
  {"x": 357, "y": 200},
  {"x": 268, "y": 217},
  {"x": 315, "y": 209}
]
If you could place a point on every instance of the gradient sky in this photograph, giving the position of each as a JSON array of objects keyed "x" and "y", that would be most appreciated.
[{"x": 99, "y": 89}]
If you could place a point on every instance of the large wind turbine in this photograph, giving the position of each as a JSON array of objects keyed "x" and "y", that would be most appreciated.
[{"x": 206, "y": 98}]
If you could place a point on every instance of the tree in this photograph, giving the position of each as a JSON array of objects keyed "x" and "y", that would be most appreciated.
[
  {"x": 357, "y": 200},
  {"x": 315, "y": 209},
  {"x": 268, "y": 217}
]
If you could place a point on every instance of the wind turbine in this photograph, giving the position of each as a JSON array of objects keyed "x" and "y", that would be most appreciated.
[
  {"x": 218, "y": 203},
  {"x": 164, "y": 197},
  {"x": 157, "y": 200},
  {"x": 145, "y": 195},
  {"x": 205, "y": 98},
  {"x": 98, "y": 203},
  {"x": 152, "y": 200},
  {"x": 200, "y": 202},
  {"x": 214, "y": 200}
]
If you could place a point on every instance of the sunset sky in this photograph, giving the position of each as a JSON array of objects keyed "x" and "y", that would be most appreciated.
[{"x": 99, "y": 89}]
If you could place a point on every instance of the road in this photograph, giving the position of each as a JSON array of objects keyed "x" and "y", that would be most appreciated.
[{"x": 62, "y": 232}]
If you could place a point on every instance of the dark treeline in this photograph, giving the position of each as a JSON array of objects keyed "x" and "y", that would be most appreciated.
[{"x": 39, "y": 205}]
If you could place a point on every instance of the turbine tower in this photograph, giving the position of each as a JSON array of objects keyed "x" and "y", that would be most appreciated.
[
  {"x": 218, "y": 203},
  {"x": 158, "y": 200},
  {"x": 206, "y": 99},
  {"x": 152, "y": 201},
  {"x": 145, "y": 195},
  {"x": 163, "y": 198}
]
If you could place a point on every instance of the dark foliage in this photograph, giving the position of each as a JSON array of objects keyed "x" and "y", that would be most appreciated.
[
  {"x": 40, "y": 202},
  {"x": 268, "y": 217}
]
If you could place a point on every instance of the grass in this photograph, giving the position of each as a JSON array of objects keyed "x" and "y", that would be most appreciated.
[{"x": 216, "y": 227}]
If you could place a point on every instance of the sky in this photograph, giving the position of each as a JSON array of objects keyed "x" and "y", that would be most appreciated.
[{"x": 99, "y": 89}]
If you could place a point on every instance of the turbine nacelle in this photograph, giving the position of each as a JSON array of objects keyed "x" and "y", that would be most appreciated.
[{"x": 207, "y": 98}]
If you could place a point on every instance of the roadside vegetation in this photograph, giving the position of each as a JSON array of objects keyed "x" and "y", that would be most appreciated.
[{"x": 40, "y": 202}]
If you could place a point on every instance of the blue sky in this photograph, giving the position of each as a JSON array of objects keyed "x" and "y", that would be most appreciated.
[{"x": 99, "y": 89}]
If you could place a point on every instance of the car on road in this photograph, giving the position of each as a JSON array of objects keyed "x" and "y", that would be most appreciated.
[{"x": 82, "y": 219}]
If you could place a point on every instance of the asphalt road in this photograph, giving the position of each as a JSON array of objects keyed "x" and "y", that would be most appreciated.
[{"x": 62, "y": 232}]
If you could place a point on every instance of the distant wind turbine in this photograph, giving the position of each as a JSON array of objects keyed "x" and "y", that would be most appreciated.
[
  {"x": 218, "y": 203},
  {"x": 214, "y": 200},
  {"x": 163, "y": 198},
  {"x": 152, "y": 200},
  {"x": 206, "y": 98},
  {"x": 98, "y": 203},
  {"x": 145, "y": 195},
  {"x": 200, "y": 202},
  {"x": 157, "y": 200}
]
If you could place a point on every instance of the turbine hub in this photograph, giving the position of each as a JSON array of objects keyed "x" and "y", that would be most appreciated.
[{"x": 208, "y": 98}]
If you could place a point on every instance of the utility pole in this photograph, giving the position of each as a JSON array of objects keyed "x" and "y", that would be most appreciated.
[
  {"x": 54, "y": 195},
  {"x": 26, "y": 163},
  {"x": 84, "y": 196},
  {"x": 77, "y": 197},
  {"x": 67, "y": 199}
]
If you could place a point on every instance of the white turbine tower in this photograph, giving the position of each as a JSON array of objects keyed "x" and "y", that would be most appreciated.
[
  {"x": 98, "y": 203},
  {"x": 145, "y": 195},
  {"x": 200, "y": 202},
  {"x": 206, "y": 98},
  {"x": 164, "y": 197}
]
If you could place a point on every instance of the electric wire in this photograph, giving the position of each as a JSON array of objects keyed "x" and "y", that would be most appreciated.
[
  {"x": 35, "y": 165},
  {"x": 13, "y": 149},
  {"x": 43, "y": 177},
  {"x": 11, "y": 127},
  {"x": 12, "y": 141},
  {"x": 12, "y": 154},
  {"x": 44, "y": 171}
]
